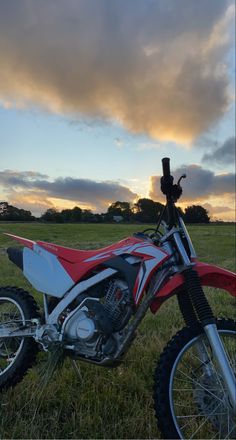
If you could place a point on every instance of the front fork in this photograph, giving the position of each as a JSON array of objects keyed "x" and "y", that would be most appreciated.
[
  {"x": 195, "y": 308},
  {"x": 222, "y": 361},
  {"x": 191, "y": 317}
]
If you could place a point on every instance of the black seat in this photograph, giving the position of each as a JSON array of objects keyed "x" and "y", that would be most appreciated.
[{"x": 16, "y": 256}]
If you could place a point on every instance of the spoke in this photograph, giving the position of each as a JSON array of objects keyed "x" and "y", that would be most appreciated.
[
  {"x": 182, "y": 389},
  {"x": 186, "y": 425},
  {"x": 216, "y": 435},
  {"x": 231, "y": 358},
  {"x": 10, "y": 314},
  {"x": 190, "y": 389},
  {"x": 219, "y": 378},
  {"x": 234, "y": 427},
  {"x": 6, "y": 348},
  {"x": 202, "y": 363},
  {"x": 179, "y": 404},
  {"x": 207, "y": 363},
  {"x": 228, "y": 421},
  {"x": 201, "y": 386},
  {"x": 203, "y": 423},
  {"x": 206, "y": 413},
  {"x": 201, "y": 415}
]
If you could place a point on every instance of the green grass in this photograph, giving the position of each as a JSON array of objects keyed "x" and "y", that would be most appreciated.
[{"x": 101, "y": 403}]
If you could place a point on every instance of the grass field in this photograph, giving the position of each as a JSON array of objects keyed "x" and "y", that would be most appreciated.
[{"x": 101, "y": 403}]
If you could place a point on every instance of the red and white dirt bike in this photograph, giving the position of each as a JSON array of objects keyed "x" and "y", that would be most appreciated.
[{"x": 95, "y": 300}]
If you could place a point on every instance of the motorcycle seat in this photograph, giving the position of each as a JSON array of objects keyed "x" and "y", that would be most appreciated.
[{"x": 77, "y": 255}]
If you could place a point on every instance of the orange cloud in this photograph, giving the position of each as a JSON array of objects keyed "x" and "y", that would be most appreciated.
[
  {"x": 36, "y": 192},
  {"x": 154, "y": 67}
]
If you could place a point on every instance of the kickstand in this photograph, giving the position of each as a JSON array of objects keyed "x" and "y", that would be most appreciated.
[{"x": 77, "y": 369}]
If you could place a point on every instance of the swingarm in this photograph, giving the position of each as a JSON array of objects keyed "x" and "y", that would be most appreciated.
[{"x": 15, "y": 329}]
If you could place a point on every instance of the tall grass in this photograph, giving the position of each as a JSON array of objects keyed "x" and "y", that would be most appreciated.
[{"x": 99, "y": 402}]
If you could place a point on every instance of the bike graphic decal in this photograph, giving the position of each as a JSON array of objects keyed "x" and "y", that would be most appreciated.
[
  {"x": 124, "y": 249},
  {"x": 144, "y": 276}
]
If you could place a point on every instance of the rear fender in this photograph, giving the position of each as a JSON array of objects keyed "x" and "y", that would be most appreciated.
[
  {"x": 24, "y": 241},
  {"x": 209, "y": 274}
]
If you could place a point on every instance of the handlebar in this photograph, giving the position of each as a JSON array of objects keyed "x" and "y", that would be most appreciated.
[
  {"x": 167, "y": 179},
  {"x": 167, "y": 186},
  {"x": 166, "y": 166},
  {"x": 171, "y": 191}
]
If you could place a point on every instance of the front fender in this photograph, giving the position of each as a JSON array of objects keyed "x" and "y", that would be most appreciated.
[{"x": 209, "y": 274}]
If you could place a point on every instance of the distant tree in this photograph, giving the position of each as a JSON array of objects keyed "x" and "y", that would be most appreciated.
[
  {"x": 76, "y": 214},
  {"x": 196, "y": 214},
  {"x": 98, "y": 218},
  {"x": 147, "y": 211},
  {"x": 11, "y": 213},
  {"x": 72, "y": 215},
  {"x": 66, "y": 215},
  {"x": 87, "y": 216},
  {"x": 118, "y": 208},
  {"x": 52, "y": 215}
]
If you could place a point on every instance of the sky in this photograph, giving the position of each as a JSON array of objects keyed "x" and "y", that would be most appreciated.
[{"x": 94, "y": 93}]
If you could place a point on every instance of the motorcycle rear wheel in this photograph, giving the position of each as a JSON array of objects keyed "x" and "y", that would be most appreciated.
[
  {"x": 17, "y": 354},
  {"x": 190, "y": 399}
]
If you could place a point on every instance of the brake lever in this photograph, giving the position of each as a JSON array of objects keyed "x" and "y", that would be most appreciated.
[
  {"x": 177, "y": 190},
  {"x": 181, "y": 177}
]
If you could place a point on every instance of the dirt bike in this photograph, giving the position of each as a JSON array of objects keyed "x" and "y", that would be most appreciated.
[{"x": 94, "y": 300}]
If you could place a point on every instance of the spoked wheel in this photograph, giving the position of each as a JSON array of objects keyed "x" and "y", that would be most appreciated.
[
  {"x": 191, "y": 401},
  {"x": 17, "y": 354}
]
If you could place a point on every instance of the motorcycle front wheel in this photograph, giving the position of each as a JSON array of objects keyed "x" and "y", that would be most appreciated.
[
  {"x": 17, "y": 354},
  {"x": 190, "y": 398}
]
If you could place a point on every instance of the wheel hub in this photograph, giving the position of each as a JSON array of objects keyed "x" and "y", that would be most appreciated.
[{"x": 212, "y": 400}]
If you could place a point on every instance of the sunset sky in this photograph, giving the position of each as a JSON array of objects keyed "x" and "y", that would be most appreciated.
[{"x": 93, "y": 93}]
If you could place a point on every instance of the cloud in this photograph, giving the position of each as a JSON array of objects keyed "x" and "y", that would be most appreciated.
[
  {"x": 154, "y": 66},
  {"x": 34, "y": 201},
  {"x": 199, "y": 185},
  {"x": 217, "y": 209},
  {"x": 36, "y": 190},
  {"x": 11, "y": 178},
  {"x": 225, "y": 154},
  {"x": 216, "y": 212}
]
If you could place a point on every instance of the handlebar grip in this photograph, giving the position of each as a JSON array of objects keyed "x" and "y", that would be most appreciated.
[{"x": 166, "y": 166}]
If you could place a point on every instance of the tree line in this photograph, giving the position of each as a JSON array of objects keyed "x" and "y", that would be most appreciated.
[{"x": 143, "y": 211}]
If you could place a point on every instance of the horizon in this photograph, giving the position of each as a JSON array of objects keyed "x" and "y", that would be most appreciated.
[{"x": 103, "y": 214}]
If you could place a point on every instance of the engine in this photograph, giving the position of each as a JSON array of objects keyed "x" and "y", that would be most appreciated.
[{"x": 91, "y": 326}]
